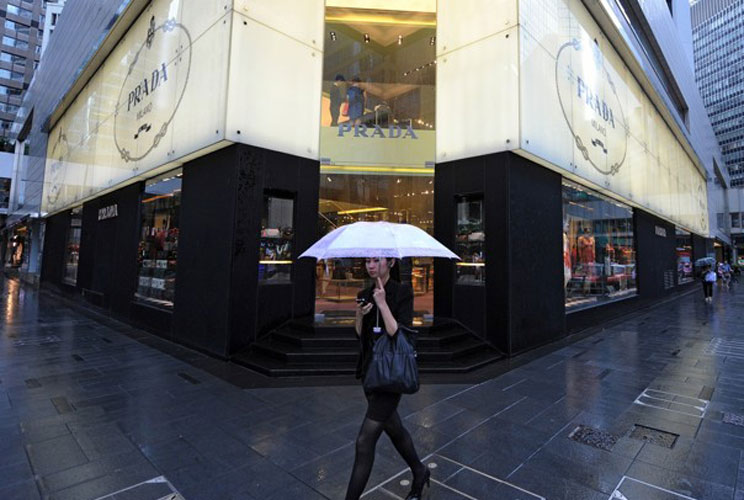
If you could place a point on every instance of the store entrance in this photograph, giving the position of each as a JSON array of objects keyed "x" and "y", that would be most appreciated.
[
  {"x": 377, "y": 144},
  {"x": 348, "y": 198}
]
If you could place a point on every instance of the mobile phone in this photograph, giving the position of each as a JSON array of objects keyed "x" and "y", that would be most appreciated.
[{"x": 361, "y": 300}]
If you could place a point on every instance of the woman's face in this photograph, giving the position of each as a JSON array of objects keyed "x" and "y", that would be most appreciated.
[{"x": 378, "y": 267}]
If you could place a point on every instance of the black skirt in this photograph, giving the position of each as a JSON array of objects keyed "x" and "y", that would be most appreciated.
[{"x": 381, "y": 405}]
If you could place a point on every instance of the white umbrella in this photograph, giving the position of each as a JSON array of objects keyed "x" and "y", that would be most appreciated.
[{"x": 377, "y": 239}]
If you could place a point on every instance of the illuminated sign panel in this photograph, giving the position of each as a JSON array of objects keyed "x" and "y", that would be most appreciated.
[
  {"x": 583, "y": 112},
  {"x": 160, "y": 95}
]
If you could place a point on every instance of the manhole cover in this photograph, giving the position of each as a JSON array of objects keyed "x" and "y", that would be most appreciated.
[
  {"x": 593, "y": 437},
  {"x": 733, "y": 419},
  {"x": 654, "y": 436}
]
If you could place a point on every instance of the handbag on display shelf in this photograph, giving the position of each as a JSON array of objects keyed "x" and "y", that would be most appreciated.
[
  {"x": 344, "y": 109},
  {"x": 393, "y": 367}
]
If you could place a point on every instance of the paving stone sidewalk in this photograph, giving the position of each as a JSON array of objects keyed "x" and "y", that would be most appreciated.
[{"x": 649, "y": 408}]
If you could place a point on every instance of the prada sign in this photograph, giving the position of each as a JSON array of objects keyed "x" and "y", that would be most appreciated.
[
  {"x": 149, "y": 97},
  {"x": 108, "y": 212},
  {"x": 391, "y": 132},
  {"x": 591, "y": 106}
]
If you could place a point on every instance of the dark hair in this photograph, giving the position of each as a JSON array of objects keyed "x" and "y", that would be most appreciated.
[
  {"x": 395, "y": 270},
  {"x": 356, "y": 79},
  {"x": 340, "y": 78}
]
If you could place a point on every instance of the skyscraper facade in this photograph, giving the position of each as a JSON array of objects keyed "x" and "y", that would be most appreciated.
[
  {"x": 718, "y": 38},
  {"x": 23, "y": 24}
]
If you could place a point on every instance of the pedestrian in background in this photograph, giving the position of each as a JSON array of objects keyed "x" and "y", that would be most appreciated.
[
  {"x": 726, "y": 272},
  {"x": 709, "y": 277}
]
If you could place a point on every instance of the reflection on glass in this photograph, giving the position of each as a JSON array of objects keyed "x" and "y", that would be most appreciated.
[
  {"x": 275, "y": 251},
  {"x": 158, "y": 248},
  {"x": 685, "y": 268},
  {"x": 72, "y": 249},
  {"x": 470, "y": 239},
  {"x": 598, "y": 248}
]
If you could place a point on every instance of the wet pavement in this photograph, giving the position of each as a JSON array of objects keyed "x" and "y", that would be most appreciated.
[{"x": 649, "y": 408}]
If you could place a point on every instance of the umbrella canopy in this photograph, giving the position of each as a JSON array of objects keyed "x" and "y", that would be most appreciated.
[{"x": 377, "y": 239}]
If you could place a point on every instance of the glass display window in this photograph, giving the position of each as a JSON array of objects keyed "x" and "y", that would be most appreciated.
[
  {"x": 158, "y": 247},
  {"x": 345, "y": 199},
  {"x": 16, "y": 251},
  {"x": 685, "y": 266},
  {"x": 377, "y": 139},
  {"x": 72, "y": 247},
  {"x": 470, "y": 240},
  {"x": 277, "y": 233},
  {"x": 599, "y": 261},
  {"x": 4, "y": 192}
]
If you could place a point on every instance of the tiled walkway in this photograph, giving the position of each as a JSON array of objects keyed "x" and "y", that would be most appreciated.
[{"x": 89, "y": 408}]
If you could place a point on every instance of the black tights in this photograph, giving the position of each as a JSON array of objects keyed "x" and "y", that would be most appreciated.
[{"x": 365, "y": 451}]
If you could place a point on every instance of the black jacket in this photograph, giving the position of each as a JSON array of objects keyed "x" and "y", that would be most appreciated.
[{"x": 399, "y": 298}]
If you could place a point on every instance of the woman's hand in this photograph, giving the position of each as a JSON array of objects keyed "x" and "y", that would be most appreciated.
[
  {"x": 378, "y": 294},
  {"x": 364, "y": 308}
]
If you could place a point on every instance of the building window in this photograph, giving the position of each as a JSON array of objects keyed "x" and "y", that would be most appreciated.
[
  {"x": 719, "y": 221},
  {"x": 19, "y": 11},
  {"x": 470, "y": 240},
  {"x": 17, "y": 27},
  {"x": 72, "y": 250},
  {"x": 12, "y": 58},
  {"x": 14, "y": 42},
  {"x": 6, "y": 124},
  {"x": 5, "y": 90},
  {"x": 735, "y": 220},
  {"x": 158, "y": 248},
  {"x": 11, "y": 75},
  {"x": 277, "y": 231},
  {"x": 685, "y": 268},
  {"x": 8, "y": 108},
  {"x": 598, "y": 248}
]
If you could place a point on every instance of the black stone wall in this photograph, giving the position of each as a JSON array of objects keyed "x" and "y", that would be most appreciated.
[
  {"x": 107, "y": 272},
  {"x": 522, "y": 304},
  {"x": 55, "y": 239}
]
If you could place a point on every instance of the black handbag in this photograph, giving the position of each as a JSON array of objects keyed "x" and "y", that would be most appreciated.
[{"x": 393, "y": 367}]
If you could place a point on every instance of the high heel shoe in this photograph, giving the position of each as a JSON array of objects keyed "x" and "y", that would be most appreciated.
[{"x": 417, "y": 489}]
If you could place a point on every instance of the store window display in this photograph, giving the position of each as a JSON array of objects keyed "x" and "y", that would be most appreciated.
[
  {"x": 470, "y": 239},
  {"x": 158, "y": 248},
  {"x": 16, "y": 251},
  {"x": 72, "y": 248},
  {"x": 598, "y": 248},
  {"x": 277, "y": 230},
  {"x": 685, "y": 267}
]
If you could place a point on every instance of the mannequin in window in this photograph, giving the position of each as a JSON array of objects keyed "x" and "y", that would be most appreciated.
[{"x": 587, "y": 255}]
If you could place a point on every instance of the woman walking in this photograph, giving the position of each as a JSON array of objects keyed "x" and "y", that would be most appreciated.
[
  {"x": 387, "y": 303},
  {"x": 709, "y": 277}
]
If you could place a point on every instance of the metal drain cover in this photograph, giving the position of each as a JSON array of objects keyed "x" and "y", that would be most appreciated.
[
  {"x": 593, "y": 437},
  {"x": 733, "y": 419},
  {"x": 654, "y": 436}
]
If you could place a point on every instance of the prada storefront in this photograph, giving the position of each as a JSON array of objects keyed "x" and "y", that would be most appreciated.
[{"x": 215, "y": 144}]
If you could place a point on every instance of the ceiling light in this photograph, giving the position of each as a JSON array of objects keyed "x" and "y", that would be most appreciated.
[
  {"x": 333, "y": 35},
  {"x": 400, "y": 39},
  {"x": 366, "y": 38}
]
